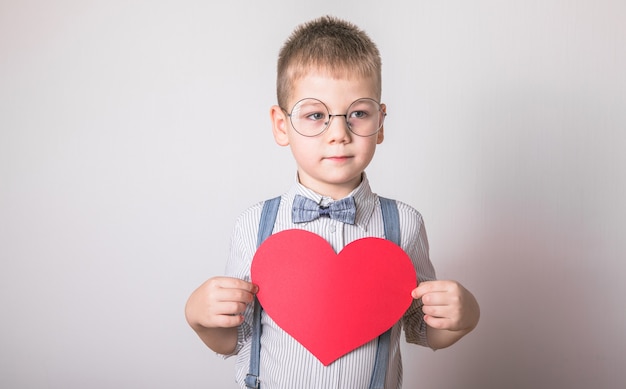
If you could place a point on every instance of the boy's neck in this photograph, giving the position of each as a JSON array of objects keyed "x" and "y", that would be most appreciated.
[{"x": 333, "y": 191}]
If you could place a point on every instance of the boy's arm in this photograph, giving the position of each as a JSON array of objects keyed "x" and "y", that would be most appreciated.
[
  {"x": 221, "y": 340},
  {"x": 450, "y": 311},
  {"x": 215, "y": 310}
]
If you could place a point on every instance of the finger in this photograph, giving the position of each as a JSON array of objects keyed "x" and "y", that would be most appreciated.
[
  {"x": 441, "y": 299},
  {"x": 229, "y": 308},
  {"x": 437, "y": 322},
  {"x": 235, "y": 283},
  {"x": 226, "y": 321},
  {"x": 434, "y": 287},
  {"x": 224, "y": 295},
  {"x": 437, "y": 311},
  {"x": 423, "y": 288}
]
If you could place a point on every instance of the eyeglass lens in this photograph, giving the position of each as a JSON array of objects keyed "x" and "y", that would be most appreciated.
[{"x": 310, "y": 117}]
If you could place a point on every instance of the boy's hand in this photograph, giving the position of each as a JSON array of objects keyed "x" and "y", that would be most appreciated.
[
  {"x": 219, "y": 303},
  {"x": 447, "y": 306}
]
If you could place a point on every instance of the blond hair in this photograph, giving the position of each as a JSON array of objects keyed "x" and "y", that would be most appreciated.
[{"x": 326, "y": 44}]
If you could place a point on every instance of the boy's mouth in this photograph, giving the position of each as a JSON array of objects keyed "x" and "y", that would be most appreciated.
[{"x": 338, "y": 158}]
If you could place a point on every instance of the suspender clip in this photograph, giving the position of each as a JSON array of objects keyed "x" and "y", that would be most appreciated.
[{"x": 252, "y": 381}]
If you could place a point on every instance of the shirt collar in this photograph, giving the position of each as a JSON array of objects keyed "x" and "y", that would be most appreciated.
[{"x": 364, "y": 198}]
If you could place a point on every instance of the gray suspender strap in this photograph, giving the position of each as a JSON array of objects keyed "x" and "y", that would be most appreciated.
[
  {"x": 391, "y": 223},
  {"x": 391, "y": 220},
  {"x": 268, "y": 218},
  {"x": 266, "y": 226}
]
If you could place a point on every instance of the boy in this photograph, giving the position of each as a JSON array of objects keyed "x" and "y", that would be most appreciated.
[{"x": 328, "y": 112}]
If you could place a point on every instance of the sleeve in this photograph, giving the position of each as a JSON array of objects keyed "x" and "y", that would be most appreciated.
[
  {"x": 242, "y": 249},
  {"x": 415, "y": 243}
]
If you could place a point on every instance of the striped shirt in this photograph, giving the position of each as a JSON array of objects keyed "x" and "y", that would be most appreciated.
[{"x": 285, "y": 363}]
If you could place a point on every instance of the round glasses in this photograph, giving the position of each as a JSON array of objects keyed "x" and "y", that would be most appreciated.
[{"x": 311, "y": 117}]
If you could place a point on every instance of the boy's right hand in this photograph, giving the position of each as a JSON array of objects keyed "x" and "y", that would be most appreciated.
[{"x": 219, "y": 303}]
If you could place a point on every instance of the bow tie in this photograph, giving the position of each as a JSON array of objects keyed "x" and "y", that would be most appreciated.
[{"x": 306, "y": 210}]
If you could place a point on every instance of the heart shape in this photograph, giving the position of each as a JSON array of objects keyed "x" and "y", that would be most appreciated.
[{"x": 332, "y": 303}]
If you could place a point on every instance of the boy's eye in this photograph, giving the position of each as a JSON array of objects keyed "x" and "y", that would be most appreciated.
[
  {"x": 316, "y": 116},
  {"x": 358, "y": 114}
]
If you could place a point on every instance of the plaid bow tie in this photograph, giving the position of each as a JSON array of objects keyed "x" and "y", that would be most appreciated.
[{"x": 306, "y": 210}]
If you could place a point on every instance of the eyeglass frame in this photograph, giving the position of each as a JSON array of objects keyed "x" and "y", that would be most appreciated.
[{"x": 330, "y": 117}]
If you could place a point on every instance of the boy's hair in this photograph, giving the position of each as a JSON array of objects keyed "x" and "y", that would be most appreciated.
[{"x": 327, "y": 44}]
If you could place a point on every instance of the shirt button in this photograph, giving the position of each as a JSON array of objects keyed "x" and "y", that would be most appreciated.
[{"x": 332, "y": 228}]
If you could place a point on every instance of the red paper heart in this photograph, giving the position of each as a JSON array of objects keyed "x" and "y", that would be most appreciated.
[{"x": 332, "y": 303}]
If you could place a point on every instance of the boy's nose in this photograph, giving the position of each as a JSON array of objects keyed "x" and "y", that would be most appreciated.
[{"x": 338, "y": 130}]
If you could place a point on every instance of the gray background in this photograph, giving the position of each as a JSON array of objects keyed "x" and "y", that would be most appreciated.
[{"x": 132, "y": 134}]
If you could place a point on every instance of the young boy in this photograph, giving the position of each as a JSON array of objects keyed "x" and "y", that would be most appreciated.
[{"x": 328, "y": 112}]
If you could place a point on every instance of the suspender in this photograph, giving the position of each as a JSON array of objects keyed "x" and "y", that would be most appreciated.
[
  {"x": 391, "y": 223},
  {"x": 266, "y": 225}
]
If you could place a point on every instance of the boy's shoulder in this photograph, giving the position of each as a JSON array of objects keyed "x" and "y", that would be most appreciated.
[
  {"x": 404, "y": 208},
  {"x": 411, "y": 220},
  {"x": 253, "y": 212}
]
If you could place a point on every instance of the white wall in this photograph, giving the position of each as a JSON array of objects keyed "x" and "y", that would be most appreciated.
[{"x": 132, "y": 133}]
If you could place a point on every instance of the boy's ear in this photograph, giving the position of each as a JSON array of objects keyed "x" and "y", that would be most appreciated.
[
  {"x": 380, "y": 135},
  {"x": 280, "y": 122}
]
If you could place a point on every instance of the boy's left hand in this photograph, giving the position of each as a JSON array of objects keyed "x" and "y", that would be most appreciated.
[{"x": 447, "y": 305}]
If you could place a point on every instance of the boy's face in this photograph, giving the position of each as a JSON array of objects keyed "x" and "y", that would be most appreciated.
[{"x": 331, "y": 163}]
